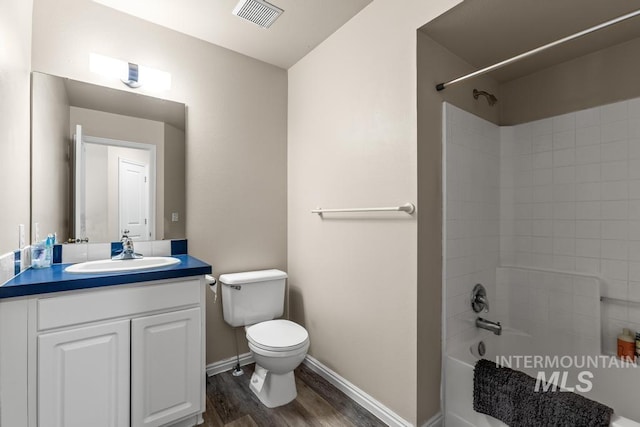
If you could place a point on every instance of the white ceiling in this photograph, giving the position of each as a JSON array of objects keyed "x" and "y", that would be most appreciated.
[{"x": 303, "y": 25}]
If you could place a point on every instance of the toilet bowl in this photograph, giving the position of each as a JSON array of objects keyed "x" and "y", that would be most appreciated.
[
  {"x": 278, "y": 347},
  {"x": 253, "y": 299}
]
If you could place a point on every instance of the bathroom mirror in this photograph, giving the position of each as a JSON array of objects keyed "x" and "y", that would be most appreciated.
[{"x": 104, "y": 162}]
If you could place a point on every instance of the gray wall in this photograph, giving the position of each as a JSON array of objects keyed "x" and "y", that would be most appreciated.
[
  {"x": 602, "y": 77},
  {"x": 174, "y": 183},
  {"x": 353, "y": 142},
  {"x": 236, "y": 132},
  {"x": 15, "y": 65}
]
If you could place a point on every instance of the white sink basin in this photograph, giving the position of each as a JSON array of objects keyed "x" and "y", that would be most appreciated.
[{"x": 115, "y": 266}]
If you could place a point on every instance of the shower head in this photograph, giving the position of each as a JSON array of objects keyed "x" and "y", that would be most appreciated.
[{"x": 490, "y": 98}]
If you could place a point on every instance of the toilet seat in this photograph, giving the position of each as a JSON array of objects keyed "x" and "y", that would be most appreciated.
[{"x": 278, "y": 336}]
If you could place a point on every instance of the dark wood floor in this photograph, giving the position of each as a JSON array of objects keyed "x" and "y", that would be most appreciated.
[{"x": 230, "y": 403}]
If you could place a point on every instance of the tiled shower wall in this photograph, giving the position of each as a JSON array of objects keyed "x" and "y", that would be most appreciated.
[
  {"x": 560, "y": 194},
  {"x": 472, "y": 240},
  {"x": 570, "y": 201},
  {"x": 545, "y": 303}
]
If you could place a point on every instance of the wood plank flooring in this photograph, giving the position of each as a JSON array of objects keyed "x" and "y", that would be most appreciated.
[{"x": 230, "y": 403}]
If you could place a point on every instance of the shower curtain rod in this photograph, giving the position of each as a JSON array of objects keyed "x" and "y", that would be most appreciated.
[{"x": 442, "y": 86}]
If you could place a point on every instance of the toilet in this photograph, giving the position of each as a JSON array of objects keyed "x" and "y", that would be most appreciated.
[{"x": 255, "y": 300}]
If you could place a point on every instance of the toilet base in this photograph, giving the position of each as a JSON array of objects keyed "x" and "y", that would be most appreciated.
[{"x": 273, "y": 390}]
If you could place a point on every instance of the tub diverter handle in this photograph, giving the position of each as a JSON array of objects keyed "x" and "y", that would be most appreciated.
[{"x": 479, "y": 299}]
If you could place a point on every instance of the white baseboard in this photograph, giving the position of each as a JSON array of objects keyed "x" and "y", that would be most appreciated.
[
  {"x": 436, "y": 421},
  {"x": 363, "y": 399},
  {"x": 228, "y": 364}
]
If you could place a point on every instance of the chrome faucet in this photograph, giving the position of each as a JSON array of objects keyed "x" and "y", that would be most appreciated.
[
  {"x": 127, "y": 248},
  {"x": 494, "y": 327}
]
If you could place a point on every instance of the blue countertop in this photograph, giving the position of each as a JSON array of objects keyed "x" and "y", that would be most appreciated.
[{"x": 55, "y": 279}]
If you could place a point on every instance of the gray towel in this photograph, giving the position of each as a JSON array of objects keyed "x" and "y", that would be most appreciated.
[{"x": 510, "y": 396}]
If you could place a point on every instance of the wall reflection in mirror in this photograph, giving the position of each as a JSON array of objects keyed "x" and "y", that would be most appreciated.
[{"x": 105, "y": 162}]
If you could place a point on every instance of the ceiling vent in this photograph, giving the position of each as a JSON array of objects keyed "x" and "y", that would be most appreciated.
[{"x": 258, "y": 11}]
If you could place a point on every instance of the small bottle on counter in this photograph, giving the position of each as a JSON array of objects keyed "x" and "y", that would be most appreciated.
[
  {"x": 626, "y": 345},
  {"x": 49, "y": 243}
]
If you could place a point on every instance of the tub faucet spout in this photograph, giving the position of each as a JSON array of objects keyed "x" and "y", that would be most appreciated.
[{"x": 494, "y": 327}]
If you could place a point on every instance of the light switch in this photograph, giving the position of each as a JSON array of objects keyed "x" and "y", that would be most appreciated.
[{"x": 174, "y": 217}]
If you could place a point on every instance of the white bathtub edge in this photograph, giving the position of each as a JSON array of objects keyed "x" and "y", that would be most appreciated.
[
  {"x": 618, "y": 421},
  {"x": 462, "y": 358}
]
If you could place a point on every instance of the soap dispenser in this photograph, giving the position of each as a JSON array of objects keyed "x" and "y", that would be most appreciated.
[{"x": 42, "y": 252}]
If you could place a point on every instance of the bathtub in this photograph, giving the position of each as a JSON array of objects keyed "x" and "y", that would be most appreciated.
[{"x": 608, "y": 381}]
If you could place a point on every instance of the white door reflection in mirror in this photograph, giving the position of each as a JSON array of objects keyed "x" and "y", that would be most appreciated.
[
  {"x": 133, "y": 199},
  {"x": 118, "y": 194}
]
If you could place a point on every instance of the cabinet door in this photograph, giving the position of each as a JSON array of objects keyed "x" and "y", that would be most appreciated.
[
  {"x": 83, "y": 376},
  {"x": 166, "y": 367}
]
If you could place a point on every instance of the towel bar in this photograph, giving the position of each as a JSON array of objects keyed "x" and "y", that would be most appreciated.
[
  {"x": 408, "y": 208},
  {"x": 618, "y": 300}
]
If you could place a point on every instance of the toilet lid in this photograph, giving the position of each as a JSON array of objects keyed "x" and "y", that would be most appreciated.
[{"x": 277, "y": 335}]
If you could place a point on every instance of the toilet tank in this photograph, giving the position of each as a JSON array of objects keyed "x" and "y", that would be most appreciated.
[{"x": 253, "y": 296}]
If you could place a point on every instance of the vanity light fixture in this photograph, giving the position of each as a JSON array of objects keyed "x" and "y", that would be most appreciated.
[{"x": 132, "y": 75}]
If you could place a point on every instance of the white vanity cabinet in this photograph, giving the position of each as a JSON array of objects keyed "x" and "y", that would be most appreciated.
[
  {"x": 166, "y": 368},
  {"x": 83, "y": 376},
  {"x": 115, "y": 356}
]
